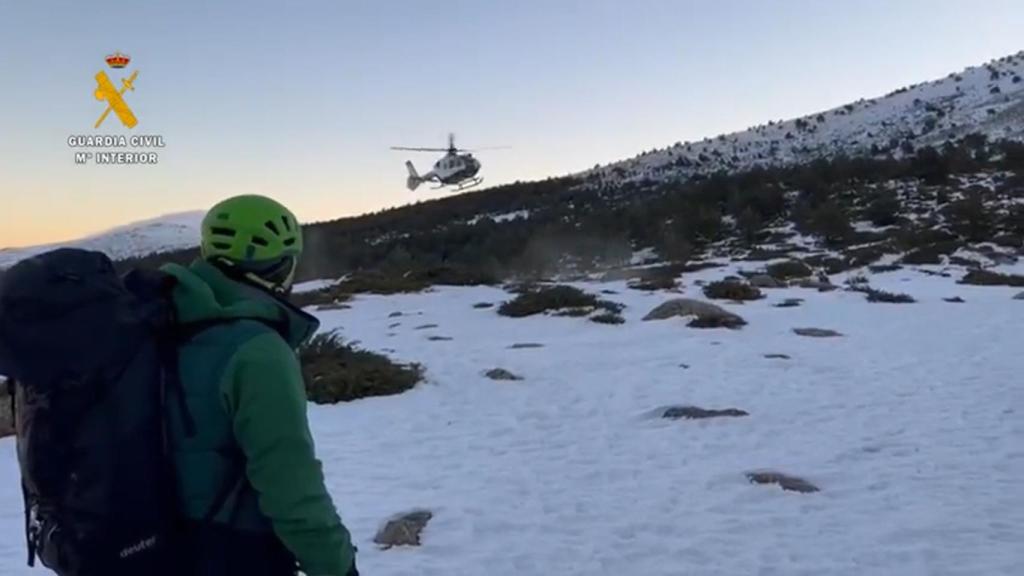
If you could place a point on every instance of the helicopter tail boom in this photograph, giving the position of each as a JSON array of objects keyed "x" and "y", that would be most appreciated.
[{"x": 414, "y": 178}]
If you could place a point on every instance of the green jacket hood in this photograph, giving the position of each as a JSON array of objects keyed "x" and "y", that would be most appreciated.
[{"x": 205, "y": 294}]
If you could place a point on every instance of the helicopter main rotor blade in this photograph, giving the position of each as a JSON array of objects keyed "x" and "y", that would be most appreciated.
[
  {"x": 419, "y": 149},
  {"x": 484, "y": 148}
]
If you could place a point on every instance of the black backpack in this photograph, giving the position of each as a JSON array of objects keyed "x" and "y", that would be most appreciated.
[{"x": 93, "y": 356}]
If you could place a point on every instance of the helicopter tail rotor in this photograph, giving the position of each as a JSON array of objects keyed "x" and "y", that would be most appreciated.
[{"x": 414, "y": 179}]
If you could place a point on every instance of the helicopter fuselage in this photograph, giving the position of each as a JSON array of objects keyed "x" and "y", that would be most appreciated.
[{"x": 454, "y": 168}]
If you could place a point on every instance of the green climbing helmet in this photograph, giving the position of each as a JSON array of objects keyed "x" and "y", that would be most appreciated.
[{"x": 255, "y": 235}]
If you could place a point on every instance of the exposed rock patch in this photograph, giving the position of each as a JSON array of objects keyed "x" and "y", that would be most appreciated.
[
  {"x": 786, "y": 482},
  {"x": 525, "y": 345},
  {"x": 731, "y": 322},
  {"x": 403, "y": 530},
  {"x": 765, "y": 281},
  {"x": 818, "y": 285},
  {"x": 501, "y": 374},
  {"x": 695, "y": 413},
  {"x": 789, "y": 303},
  {"x": 816, "y": 332},
  {"x": 706, "y": 314}
]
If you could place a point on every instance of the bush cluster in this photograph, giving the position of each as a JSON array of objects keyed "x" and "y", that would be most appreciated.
[
  {"x": 732, "y": 290},
  {"x": 337, "y": 372}
]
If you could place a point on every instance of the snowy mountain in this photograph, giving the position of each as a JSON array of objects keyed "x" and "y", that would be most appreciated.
[
  {"x": 908, "y": 423},
  {"x": 985, "y": 99},
  {"x": 162, "y": 234}
]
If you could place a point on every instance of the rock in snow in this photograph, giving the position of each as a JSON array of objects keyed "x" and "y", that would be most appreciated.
[
  {"x": 786, "y": 482},
  {"x": 525, "y": 346},
  {"x": 789, "y": 303},
  {"x": 403, "y": 530},
  {"x": 765, "y": 281},
  {"x": 816, "y": 332},
  {"x": 705, "y": 312},
  {"x": 695, "y": 413},
  {"x": 501, "y": 374}
]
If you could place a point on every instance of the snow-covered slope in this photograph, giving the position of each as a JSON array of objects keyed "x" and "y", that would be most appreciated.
[
  {"x": 909, "y": 424},
  {"x": 162, "y": 234},
  {"x": 986, "y": 99}
]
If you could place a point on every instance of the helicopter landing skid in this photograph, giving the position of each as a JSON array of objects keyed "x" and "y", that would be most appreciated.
[{"x": 467, "y": 184}]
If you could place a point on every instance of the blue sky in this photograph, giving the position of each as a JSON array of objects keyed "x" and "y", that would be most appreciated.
[{"x": 300, "y": 100}]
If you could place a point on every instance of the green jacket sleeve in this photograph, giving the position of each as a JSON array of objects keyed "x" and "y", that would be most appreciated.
[{"x": 267, "y": 401}]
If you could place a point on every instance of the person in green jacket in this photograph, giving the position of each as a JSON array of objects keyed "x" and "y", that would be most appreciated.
[{"x": 251, "y": 489}]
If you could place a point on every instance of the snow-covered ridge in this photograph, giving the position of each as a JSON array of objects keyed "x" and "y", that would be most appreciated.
[
  {"x": 162, "y": 234},
  {"x": 986, "y": 99}
]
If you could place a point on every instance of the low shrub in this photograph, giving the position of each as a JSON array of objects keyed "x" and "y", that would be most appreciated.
[
  {"x": 867, "y": 255},
  {"x": 888, "y": 297},
  {"x": 372, "y": 282},
  {"x": 830, "y": 264},
  {"x": 329, "y": 295},
  {"x": 654, "y": 284},
  {"x": 762, "y": 254},
  {"x": 989, "y": 278},
  {"x": 567, "y": 299},
  {"x": 932, "y": 253},
  {"x": 789, "y": 269},
  {"x": 732, "y": 290},
  {"x": 860, "y": 284},
  {"x": 456, "y": 276},
  {"x": 608, "y": 318},
  {"x": 884, "y": 209},
  {"x": 337, "y": 372}
]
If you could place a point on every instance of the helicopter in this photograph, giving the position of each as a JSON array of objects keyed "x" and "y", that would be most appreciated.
[{"x": 456, "y": 168}]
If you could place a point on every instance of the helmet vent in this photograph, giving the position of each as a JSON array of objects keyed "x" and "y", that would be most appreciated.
[
  {"x": 272, "y": 227},
  {"x": 287, "y": 226},
  {"x": 217, "y": 231},
  {"x": 289, "y": 241},
  {"x": 221, "y": 245},
  {"x": 260, "y": 241}
]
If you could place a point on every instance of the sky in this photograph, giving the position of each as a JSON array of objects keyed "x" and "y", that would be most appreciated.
[{"x": 301, "y": 100}]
